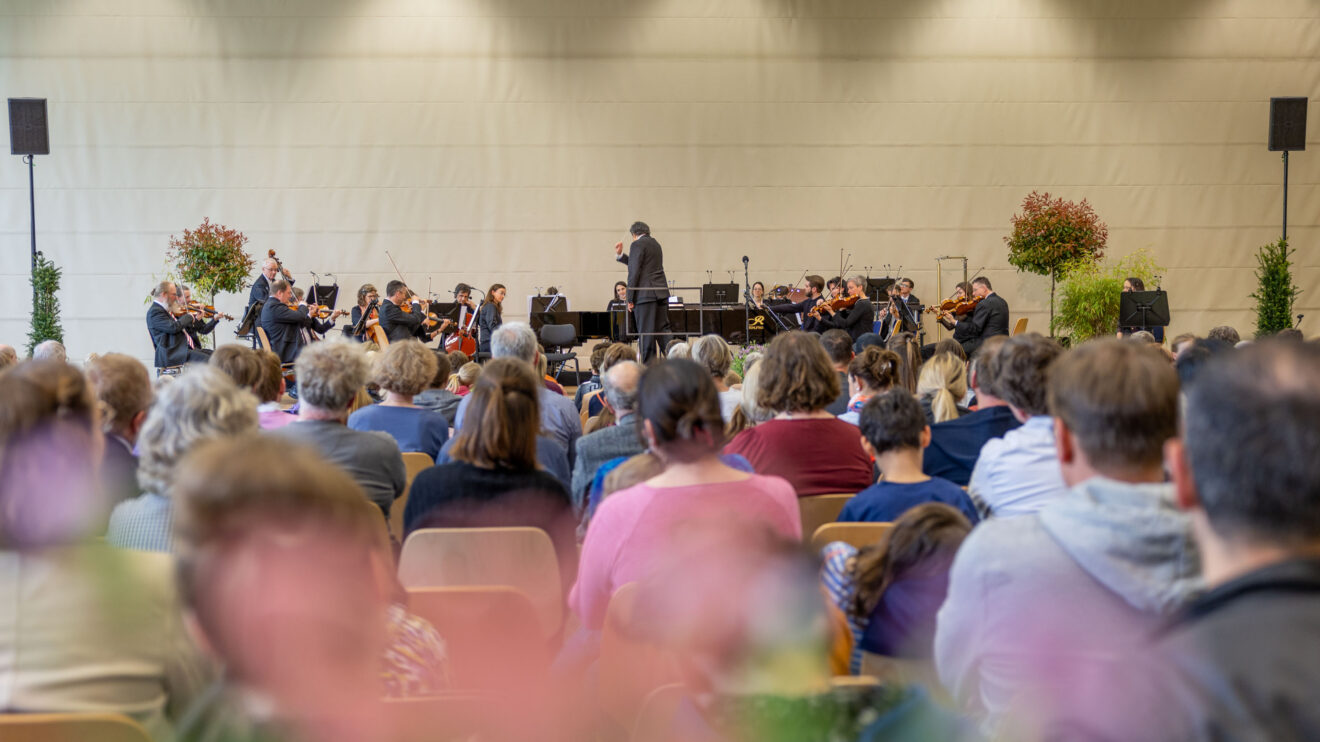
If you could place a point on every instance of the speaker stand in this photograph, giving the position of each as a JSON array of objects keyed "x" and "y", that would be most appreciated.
[
  {"x": 32, "y": 209},
  {"x": 1285, "y": 194}
]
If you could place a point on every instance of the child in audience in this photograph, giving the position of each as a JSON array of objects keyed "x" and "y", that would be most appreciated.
[
  {"x": 894, "y": 431},
  {"x": 890, "y": 591},
  {"x": 871, "y": 372},
  {"x": 461, "y": 383}
]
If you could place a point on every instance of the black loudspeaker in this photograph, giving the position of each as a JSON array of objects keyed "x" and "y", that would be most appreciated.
[
  {"x": 1287, "y": 124},
  {"x": 27, "y": 127}
]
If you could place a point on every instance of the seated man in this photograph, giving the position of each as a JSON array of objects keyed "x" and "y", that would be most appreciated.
[
  {"x": 123, "y": 387},
  {"x": 284, "y": 325},
  {"x": 955, "y": 445},
  {"x": 894, "y": 432},
  {"x": 1036, "y": 601},
  {"x": 1241, "y": 662},
  {"x": 1018, "y": 473},
  {"x": 173, "y": 345},
  {"x": 620, "y": 439}
]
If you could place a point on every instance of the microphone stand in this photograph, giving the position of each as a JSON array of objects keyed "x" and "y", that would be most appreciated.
[{"x": 747, "y": 305}]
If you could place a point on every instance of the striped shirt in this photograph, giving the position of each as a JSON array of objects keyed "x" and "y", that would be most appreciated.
[{"x": 839, "y": 584}]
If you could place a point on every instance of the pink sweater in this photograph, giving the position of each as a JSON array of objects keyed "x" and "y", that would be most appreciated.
[{"x": 632, "y": 527}]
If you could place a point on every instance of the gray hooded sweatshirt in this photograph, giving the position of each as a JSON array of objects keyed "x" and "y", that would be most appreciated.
[{"x": 1038, "y": 602}]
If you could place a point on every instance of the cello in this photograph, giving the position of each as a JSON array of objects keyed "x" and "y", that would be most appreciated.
[{"x": 462, "y": 338}]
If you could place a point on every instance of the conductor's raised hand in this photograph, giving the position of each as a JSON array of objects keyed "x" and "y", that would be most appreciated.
[{"x": 618, "y": 248}]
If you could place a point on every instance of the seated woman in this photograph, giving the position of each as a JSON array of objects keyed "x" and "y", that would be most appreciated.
[
  {"x": 712, "y": 352},
  {"x": 890, "y": 591},
  {"x": 815, "y": 451},
  {"x": 95, "y": 628},
  {"x": 402, "y": 371},
  {"x": 680, "y": 420},
  {"x": 941, "y": 388},
  {"x": 871, "y": 372},
  {"x": 492, "y": 477}
]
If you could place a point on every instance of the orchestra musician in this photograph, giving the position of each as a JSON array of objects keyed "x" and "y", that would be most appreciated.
[
  {"x": 619, "y": 303},
  {"x": 200, "y": 326},
  {"x": 905, "y": 286},
  {"x": 402, "y": 319},
  {"x": 366, "y": 297},
  {"x": 270, "y": 270},
  {"x": 464, "y": 310},
  {"x": 856, "y": 321},
  {"x": 758, "y": 296},
  {"x": 283, "y": 320},
  {"x": 490, "y": 317},
  {"x": 168, "y": 326},
  {"x": 815, "y": 291},
  {"x": 1130, "y": 284},
  {"x": 319, "y": 326},
  {"x": 987, "y": 319}
]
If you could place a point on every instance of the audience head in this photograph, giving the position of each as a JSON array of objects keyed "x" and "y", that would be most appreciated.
[
  {"x": 677, "y": 349},
  {"x": 598, "y": 356},
  {"x": 1248, "y": 460},
  {"x": 1181, "y": 343},
  {"x": 798, "y": 375},
  {"x": 904, "y": 344},
  {"x": 680, "y": 411},
  {"x": 620, "y": 384},
  {"x": 503, "y": 417},
  {"x": 123, "y": 389},
  {"x": 405, "y": 368},
  {"x": 875, "y": 370},
  {"x": 893, "y": 421},
  {"x": 457, "y": 358},
  {"x": 50, "y": 350},
  {"x": 1195, "y": 356},
  {"x": 1132, "y": 283},
  {"x": 242, "y": 365},
  {"x": 330, "y": 373},
  {"x": 749, "y": 412},
  {"x": 984, "y": 370},
  {"x": 272, "y": 377},
  {"x": 514, "y": 340},
  {"x": 1145, "y": 337},
  {"x": 713, "y": 354},
  {"x": 1024, "y": 373},
  {"x": 617, "y": 353},
  {"x": 921, "y": 545},
  {"x": 838, "y": 345},
  {"x": 1224, "y": 334},
  {"x": 8, "y": 356},
  {"x": 443, "y": 370},
  {"x": 468, "y": 374},
  {"x": 949, "y": 345},
  {"x": 50, "y": 453},
  {"x": 1114, "y": 404},
  {"x": 943, "y": 381},
  {"x": 1289, "y": 335},
  {"x": 201, "y": 405}
]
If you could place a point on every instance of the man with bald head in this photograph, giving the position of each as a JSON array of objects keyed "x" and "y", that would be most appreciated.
[{"x": 620, "y": 384}]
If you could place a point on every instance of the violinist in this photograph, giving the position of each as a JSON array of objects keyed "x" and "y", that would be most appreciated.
[
  {"x": 368, "y": 300},
  {"x": 200, "y": 325},
  {"x": 905, "y": 293},
  {"x": 815, "y": 291},
  {"x": 858, "y": 318},
  {"x": 168, "y": 327},
  {"x": 490, "y": 317},
  {"x": 988, "y": 319},
  {"x": 403, "y": 316},
  {"x": 758, "y": 296},
  {"x": 284, "y": 320},
  {"x": 323, "y": 317}
]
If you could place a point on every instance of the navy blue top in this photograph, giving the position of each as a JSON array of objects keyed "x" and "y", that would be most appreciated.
[
  {"x": 415, "y": 429},
  {"x": 903, "y": 622},
  {"x": 883, "y": 501},
  {"x": 955, "y": 445}
]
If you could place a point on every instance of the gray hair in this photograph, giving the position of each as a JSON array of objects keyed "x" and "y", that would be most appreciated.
[
  {"x": 514, "y": 340},
  {"x": 620, "y": 384},
  {"x": 680, "y": 350},
  {"x": 712, "y": 352},
  {"x": 751, "y": 382},
  {"x": 330, "y": 373},
  {"x": 161, "y": 289},
  {"x": 199, "y": 405},
  {"x": 50, "y": 350}
]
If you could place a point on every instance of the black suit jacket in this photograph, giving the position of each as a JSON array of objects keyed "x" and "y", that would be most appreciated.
[
  {"x": 646, "y": 268},
  {"x": 260, "y": 290},
  {"x": 282, "y": 326},
  {"x": 400, "y": 325},
  {"x": 169, "y": 335},
  {"x": 856, "y": 321},
  {"x": 990, "y": 318},
  {"x": 199, "y": 328}
]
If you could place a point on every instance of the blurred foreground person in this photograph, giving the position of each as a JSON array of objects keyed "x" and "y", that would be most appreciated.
[{"x": 86, "y": 628}]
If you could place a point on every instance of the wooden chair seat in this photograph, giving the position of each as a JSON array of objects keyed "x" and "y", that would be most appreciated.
[
  {"x": 857, "y": 534},
  {"x": 71, "y": 728}
]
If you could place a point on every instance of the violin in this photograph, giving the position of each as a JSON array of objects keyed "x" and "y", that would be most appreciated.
[
  {"x": 956, "y": 307},
  {"x": 838, "y": 305},
  {"x": 206, "y": 310}
]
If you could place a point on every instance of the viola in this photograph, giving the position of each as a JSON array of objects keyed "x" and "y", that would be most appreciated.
[{"x": 838, "y": 305}]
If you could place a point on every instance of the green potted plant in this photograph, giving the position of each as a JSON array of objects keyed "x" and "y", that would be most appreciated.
[
  {"x": 1053, "y": 237},
  {"x": 211, "y": 259},
  {"x": 1089, "y": 296},
  {"x": 1276, "y": 292},
  {"x": 46, "y": 305}
]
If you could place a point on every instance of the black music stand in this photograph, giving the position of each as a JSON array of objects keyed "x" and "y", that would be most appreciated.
[
  {"x": 877, "y": 289},
  {"x": 1143, "y": 309},
  {"x": 247, "y": 325},
  {"x": 719, "y": 293},
  {"x": 323, "y": 295}
]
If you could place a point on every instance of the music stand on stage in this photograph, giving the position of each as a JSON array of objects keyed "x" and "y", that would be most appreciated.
[
  {"x": 323, "y": 295},
  {"x": 877, "y": 289},
  {"x": 247, "y": 325},
  {"x": 1143, "y": 309}
]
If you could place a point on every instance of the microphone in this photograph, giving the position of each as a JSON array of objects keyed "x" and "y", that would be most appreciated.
[{"x": 744, "y": 260}]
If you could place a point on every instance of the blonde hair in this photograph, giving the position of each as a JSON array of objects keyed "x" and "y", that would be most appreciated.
[
  {"x": 466, "y": 375},
  {"x": 405, "y": 368},
  {"x": 330, "y": 373},
  {"x": 944, "y": 380},
  {"x": 749, "y": 413}
]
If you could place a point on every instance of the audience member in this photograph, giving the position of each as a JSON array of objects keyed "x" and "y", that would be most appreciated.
[
  {"x": 437, "y": 397},
  {"x": 1224, "y": 334},
  {"x": 680, "y": 419},
  {"x": 87, "y": 628},
  {"x": 838, "y": 345},
  {"x": 200, "y": 405},
  {"x": 285, "y": 574},
  {"x": 1034, "y": 601},
  {"x": 457, "y": 358},
  {"x": 955, "y": 445},
  {"x": 559, "y": 419},
  {"x": 942, "y": 388},
  {"x": 1195, "y": 356},
  {"x": 50, "y": 350},
  {"x": 1181, "y": 343},
  {"x": 492, "y": 477},
  {"x": 894, "y": 432},
  {"x": 593, "y": 383},
  {"x": 123, "y": 390},
  {"x": 1289, "y": 335},
  {"x": 678, "y": 349},
  {"x": 1241, "y": 661},
  {"x": 8, "y": 356},
  {"x": 872, "y": 372},
  {"x": 749, "y": 412},
  {"x": 542, "y": 366},
  {"x": 949, "y": 345},
  {"x": 890, "y": 591},
  {"x": 711, "y": 352},
  {"x": 593, "y": 404},
  {"x": 402, "y": 371},
  {"x": 620, "y": 439},
  {"x": 271, "y": 391},
  {"x": 909, "y": 350},
  {"x": 463, "y": 379},
  {"x": 815, "y": 451},
  {"x": 1019, "y": 473},
  {"x": 330, "y": 375}
]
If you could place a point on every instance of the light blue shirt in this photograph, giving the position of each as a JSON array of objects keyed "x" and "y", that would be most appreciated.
[
  {"x": 1018, "y": 474},
  {"x": 559, "y": 419},
  {"x": 415, "y": 429},
  {"x": 142, "y": 524}
]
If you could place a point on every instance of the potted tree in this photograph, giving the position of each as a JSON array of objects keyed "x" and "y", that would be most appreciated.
[
  {"x": 46, "y": 304},
  {"x": 1053, "y": 237},
  {"x": 211, "y": 259},
  {"x": 1276, "y": 293}
]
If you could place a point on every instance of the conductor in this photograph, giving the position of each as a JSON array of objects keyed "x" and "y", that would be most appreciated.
[{"x": 648, "y": 289}]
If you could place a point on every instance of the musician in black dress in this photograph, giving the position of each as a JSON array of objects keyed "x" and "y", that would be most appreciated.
[
  {"x": 368, "y": 302},
  {"x": 618, "y": 307},
  {"x": 490, "y": 317},
  {"x": 859, "y": 319}
]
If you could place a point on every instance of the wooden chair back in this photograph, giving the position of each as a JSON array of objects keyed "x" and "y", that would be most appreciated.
[
  {"x": 414, "y": 463},
  {"x": 630, "y": 667},
  {"x": 1021, "y": 326},
  {"x": 265, "y": 339},
  {"x": 492, "y": 633},
  {"x": 817, "y": 510},
  {"x": 857, "y": 534},
  {"x": 71, "y": 728},
  {"x": 523, "y": 558}
]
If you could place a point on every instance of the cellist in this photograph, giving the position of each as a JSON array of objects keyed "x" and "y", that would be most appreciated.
[{"x": 367, "y": 303}]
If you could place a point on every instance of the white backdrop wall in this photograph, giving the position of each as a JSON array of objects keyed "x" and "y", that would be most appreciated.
[{"x": 515, "y": 140}]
